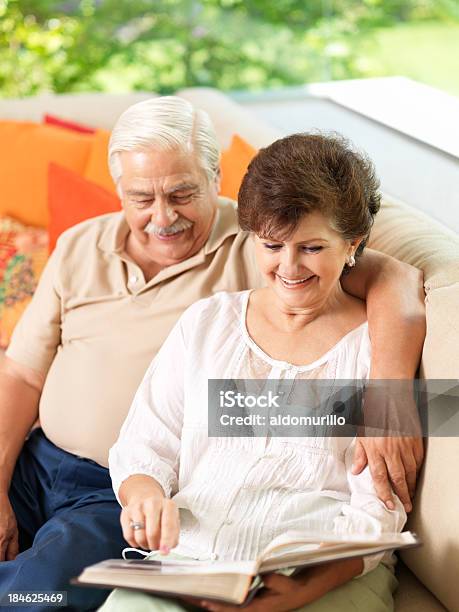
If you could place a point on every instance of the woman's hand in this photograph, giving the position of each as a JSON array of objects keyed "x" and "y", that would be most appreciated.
[
  {"x": 149, "y": 519},
  {"x": 280, "y": 594}
]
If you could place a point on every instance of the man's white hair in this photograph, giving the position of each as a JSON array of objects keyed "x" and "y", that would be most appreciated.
[{"x": 165, "y": 122}]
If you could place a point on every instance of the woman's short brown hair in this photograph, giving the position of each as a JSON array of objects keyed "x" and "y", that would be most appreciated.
[{"x": 303, "y": 173}]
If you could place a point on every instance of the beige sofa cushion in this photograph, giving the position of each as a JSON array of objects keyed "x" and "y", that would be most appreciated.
[
  {"x": 417, "y": 239},
  {"x": 435, "y": 519},
  {"x": 413, "y": 237},
  {"x": 440, "y": 357},
  {"x": 412, "y": 596}
]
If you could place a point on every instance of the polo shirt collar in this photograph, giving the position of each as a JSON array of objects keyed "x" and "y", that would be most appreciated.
[
  {"x": 113, "y": 237},
  {"x": 225, "y": 225}
]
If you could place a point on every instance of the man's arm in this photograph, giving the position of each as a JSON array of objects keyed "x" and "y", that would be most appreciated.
[
  {"x": 20, "y": 389},
  {"x": 394, "y": 293},
  {"x": 396, "y": 317}
]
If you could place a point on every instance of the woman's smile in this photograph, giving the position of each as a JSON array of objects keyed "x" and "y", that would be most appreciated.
[{"x": 296, "y": 283}]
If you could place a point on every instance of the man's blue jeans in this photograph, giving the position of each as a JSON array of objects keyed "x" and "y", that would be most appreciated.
[{"x": 67, "y": 517}]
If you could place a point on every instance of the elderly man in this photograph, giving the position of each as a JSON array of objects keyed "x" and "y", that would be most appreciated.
[{"x": 110, "y": 294}]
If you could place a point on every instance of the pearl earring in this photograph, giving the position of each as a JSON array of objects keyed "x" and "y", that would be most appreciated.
[{"x": 351, "y": 261}]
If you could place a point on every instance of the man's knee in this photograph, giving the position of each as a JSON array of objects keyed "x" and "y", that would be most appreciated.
[{"x": 62, "y": 548}]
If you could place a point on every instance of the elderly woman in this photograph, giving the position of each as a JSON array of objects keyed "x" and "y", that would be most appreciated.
[{"x": 309, "y": 203}]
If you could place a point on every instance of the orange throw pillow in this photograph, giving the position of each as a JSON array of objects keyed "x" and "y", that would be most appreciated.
[
  {"x": 73, "y": 199},
  {"x": 68, "y": 125},
  {"x": 97, "y": 167},
  {"x": 233, "y": 166},
  {"x": 26, "y": 151}
]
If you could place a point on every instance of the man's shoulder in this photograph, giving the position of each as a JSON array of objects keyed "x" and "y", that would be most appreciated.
[{"x": 91, "y": 233}]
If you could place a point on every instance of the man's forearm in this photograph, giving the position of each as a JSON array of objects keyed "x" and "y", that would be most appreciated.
[
  {"x": 394, "y": 296},
  {"x": 396, "y": 319},
  {"x": 18, "y": 412}
]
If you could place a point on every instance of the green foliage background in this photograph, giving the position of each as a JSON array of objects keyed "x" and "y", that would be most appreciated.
[{"x": 164, "y": 45}]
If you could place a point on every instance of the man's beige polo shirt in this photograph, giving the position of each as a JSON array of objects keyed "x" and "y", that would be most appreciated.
[{"x": 94, "y": 325}]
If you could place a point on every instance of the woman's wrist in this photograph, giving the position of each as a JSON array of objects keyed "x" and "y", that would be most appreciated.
[
  {"x": 137, "y": 487},
  {"x": 317, "y": 581},
  {"x": 149, "y": 519}
]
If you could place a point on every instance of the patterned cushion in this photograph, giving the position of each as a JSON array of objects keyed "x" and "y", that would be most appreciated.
[{"x": 23, "y": 255}]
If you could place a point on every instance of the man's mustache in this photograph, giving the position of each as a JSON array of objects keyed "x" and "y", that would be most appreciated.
[{"x": 178, "y": 226}]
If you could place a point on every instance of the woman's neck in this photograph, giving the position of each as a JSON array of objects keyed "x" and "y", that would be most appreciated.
[{"x": 288, "y": 319}]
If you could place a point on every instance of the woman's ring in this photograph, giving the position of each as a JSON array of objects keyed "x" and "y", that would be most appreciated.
[{"x": 136, "y": 526}]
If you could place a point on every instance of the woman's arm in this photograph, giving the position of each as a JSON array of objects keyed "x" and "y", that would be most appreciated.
[
  {"x": 283, "y": 593},
  {"x": 396, "y": 317},
  {"x": 144, "y": 462},
  {"x": 149, "y": 440},
  {"x": 318, "y": 580}
]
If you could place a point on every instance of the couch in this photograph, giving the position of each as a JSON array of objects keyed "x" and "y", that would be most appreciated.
[{"x": 429, "y": 575}]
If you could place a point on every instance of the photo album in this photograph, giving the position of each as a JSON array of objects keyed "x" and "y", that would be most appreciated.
[{"x": 237, "y": 582}]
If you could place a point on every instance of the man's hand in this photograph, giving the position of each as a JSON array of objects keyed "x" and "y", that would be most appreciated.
[
  {"x": 391, "y": 440},
  {"x": 20, "y": 389},
  {"x": 9, "y": 547},
  {"x": 149, "y": 519},
  {"x": 393, "y": 462}
]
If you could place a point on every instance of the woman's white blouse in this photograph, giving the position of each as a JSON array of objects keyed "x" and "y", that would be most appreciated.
[{"x": 236, "y": 494}]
